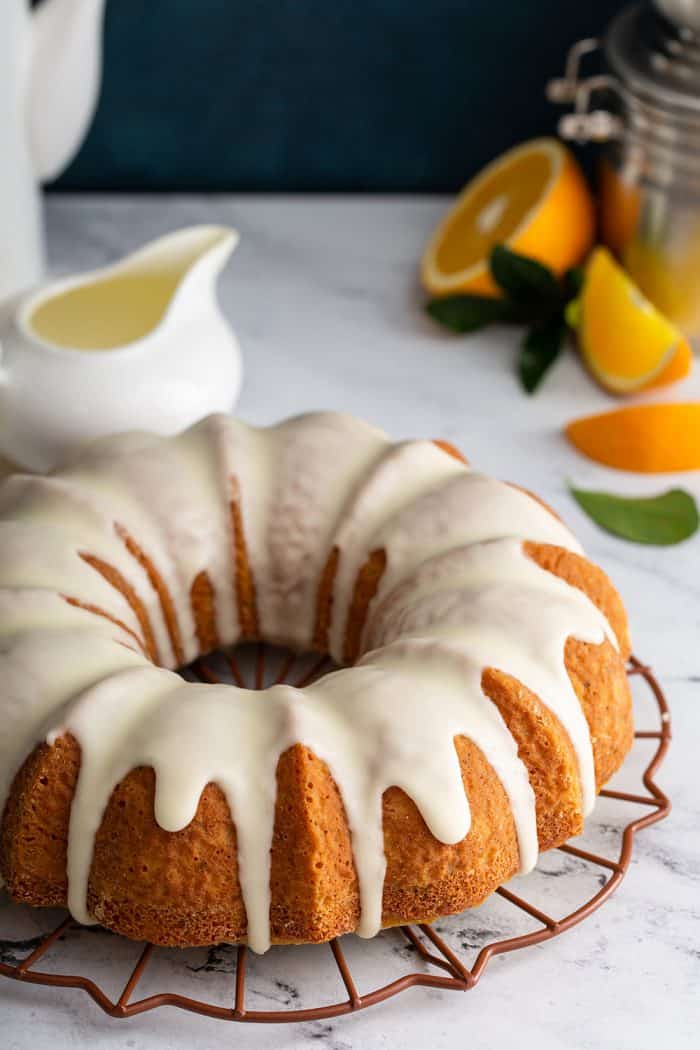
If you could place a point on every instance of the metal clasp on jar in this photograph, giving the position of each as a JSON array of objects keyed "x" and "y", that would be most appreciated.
[{"x": 584, "y": 124}]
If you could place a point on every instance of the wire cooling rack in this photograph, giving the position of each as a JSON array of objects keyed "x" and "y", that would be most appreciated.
[{"x": 439, "y": 966}]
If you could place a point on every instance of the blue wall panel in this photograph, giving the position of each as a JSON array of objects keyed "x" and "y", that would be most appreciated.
[{"x": 314, "y": 95}]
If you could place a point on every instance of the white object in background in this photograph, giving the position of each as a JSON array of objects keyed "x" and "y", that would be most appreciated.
[
  {"x": 50, "y": 62},
  {"x": 141, "y": 345}
]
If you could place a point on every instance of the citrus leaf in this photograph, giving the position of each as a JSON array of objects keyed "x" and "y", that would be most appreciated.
[
  {"x": 523, "y": 280},
  {"x": 468, "y": 313},
  {"x": 540, "y": 349},
  {"x": 659, "y": 520},
  {"x": 573, "y": 281},
  {"x": 572, "y": 314}
]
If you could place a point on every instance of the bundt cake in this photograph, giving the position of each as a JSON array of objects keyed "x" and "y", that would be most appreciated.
[{"x": 482, "y": 704}]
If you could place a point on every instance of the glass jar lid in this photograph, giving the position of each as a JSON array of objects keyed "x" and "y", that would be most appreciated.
[{"x": 655, "y": 58}]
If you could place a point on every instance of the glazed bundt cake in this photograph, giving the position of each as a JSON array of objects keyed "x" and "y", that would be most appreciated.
[{"x": 482, "y": 704}]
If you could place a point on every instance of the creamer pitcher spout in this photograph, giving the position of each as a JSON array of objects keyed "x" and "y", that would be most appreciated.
[{"x": 193, "y": 258}]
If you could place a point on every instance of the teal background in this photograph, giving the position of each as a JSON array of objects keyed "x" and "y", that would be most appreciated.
[{"x": 313, "y": 95}]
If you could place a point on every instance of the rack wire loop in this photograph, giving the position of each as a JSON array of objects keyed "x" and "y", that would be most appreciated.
[{"x": 427, "y": 944}]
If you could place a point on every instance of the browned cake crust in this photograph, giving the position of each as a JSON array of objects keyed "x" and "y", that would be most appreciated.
[{"x": 182, "y": 888}]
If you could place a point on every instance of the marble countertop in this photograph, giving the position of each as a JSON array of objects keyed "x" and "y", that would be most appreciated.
[{"x": 323, "y": 295}]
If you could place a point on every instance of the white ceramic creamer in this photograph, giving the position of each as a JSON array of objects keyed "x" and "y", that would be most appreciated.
[
  {"x": 50, "y": 63},
  {"x": 138, "y": 345}
]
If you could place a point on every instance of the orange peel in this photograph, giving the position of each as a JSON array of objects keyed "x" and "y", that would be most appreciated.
[{"x": 647, "y": 439}]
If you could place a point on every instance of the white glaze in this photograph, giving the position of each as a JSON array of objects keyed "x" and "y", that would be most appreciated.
[
  {"x": 458, "y": 595},
  {"x": 289, "y": 527}
]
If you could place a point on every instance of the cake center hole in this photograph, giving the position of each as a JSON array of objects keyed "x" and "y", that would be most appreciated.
[{"x": 258, "y": 665}]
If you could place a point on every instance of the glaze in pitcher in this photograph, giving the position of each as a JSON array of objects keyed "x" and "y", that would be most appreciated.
[{"x": 138, "y": 345}]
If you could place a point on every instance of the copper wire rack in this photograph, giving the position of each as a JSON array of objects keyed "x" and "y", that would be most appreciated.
[{"x": 441, "y": 966}]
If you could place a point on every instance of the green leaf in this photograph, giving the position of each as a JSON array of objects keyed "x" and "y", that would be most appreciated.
[
  {"x": 573, "y": 282},
  {"x": 540, "y": 349},
  {"x": 572, "y": 314},
  {"x": 660, "y": 520},
  {"x": 468, "y": 313},
  {"x": 523, "y": 280}
]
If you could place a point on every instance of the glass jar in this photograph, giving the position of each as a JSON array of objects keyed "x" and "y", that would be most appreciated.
[{"x": 644, "y": 109}]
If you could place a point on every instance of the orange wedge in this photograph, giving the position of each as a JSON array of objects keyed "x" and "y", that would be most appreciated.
[
  {"x": 533, "y": 198},
  {"x": 647, "y": 439},
  {"x": 626, "y": 343}
]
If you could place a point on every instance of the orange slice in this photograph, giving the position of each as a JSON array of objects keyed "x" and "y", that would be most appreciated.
[
  {"x": 533, "y": 198},
  {"x": 647, "y": 439},
  {"x": 626, "y": 343}
]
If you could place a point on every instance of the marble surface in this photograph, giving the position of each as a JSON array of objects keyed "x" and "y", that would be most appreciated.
[{"x": 323, "y": 295}]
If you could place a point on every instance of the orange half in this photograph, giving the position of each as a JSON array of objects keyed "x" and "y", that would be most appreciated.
[{"x": 533, "y": 198}]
